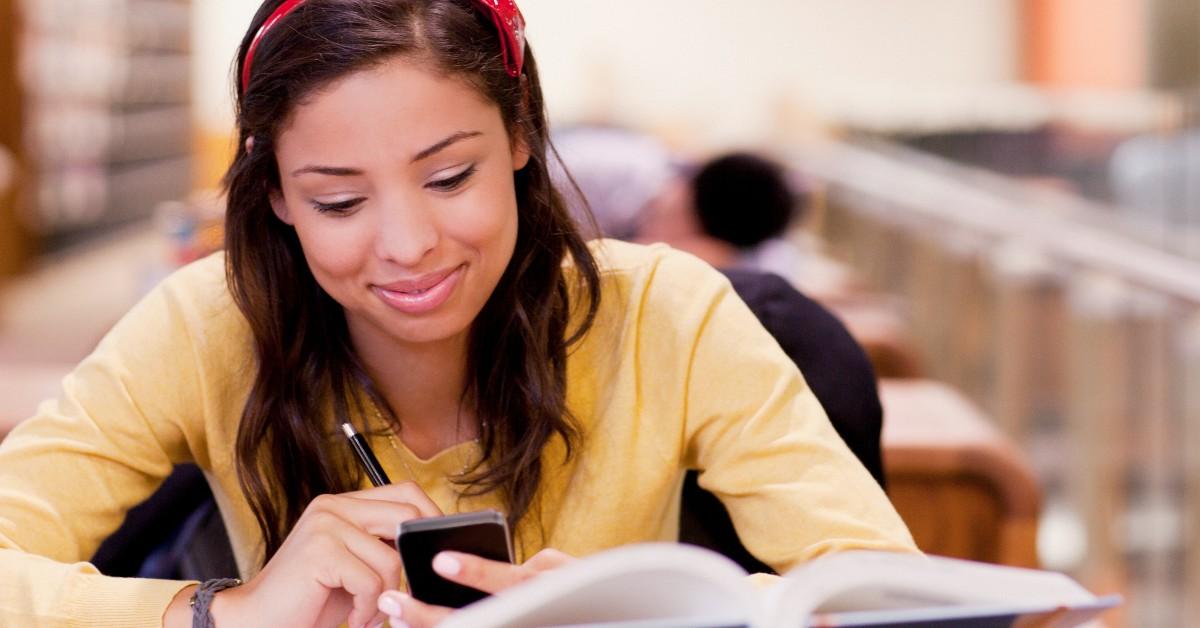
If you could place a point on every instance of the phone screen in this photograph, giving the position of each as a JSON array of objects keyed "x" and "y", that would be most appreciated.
[{"x": 483, "y": 534}]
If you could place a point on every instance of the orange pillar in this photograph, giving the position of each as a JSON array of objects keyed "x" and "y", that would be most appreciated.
[{"x": 1090, "y": 44}]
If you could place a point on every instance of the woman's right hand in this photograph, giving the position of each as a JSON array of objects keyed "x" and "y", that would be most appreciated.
[{"x": 332, "y": 566}]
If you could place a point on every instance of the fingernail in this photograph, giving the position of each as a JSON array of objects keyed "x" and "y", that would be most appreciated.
[
  {"x": 446, "y": 565},
  {"x": 390, "y": 605}
]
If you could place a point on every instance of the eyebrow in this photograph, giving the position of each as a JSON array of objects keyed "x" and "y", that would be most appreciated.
[
  {"x": 334, "y": 171},
  {"x": 433, "y": 150},
  {"x": 329, "y": 171}
]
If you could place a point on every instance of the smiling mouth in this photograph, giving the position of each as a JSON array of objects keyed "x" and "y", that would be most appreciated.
[
  {"x": 421, "y": 295},
  {"x": 421, "y": 284}
]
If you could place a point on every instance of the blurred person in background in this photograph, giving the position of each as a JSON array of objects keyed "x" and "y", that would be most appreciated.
[
  {"x": 737, "y": 211},
  {"x": 397, "y": 258}
]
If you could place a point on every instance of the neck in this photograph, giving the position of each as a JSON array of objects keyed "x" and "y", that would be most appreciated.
[{"x": 423, "y": 383}]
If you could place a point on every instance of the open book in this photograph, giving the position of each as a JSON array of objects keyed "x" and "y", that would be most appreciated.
[{"x": 663, "y": 584}]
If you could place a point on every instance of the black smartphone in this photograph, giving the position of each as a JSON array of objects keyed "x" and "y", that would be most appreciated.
[{"x": 483, "y": 533}]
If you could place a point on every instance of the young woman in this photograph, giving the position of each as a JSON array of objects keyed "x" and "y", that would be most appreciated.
[{"x": 396, "y": 257}]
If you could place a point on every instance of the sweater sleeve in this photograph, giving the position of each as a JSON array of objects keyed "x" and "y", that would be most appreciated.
[
  {"x": 124, "y": 417},
  {"x": 761, "y": 439}
]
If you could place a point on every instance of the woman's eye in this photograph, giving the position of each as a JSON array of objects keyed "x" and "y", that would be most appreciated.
[
  {"x": 452, "y": 183},
  {"x": 336, "y": 208}
]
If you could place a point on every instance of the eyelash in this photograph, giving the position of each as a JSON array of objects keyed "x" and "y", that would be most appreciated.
[
  {"x": 336, "y": 208},
  {"x": 452, "y": 183},
  {"x": 444, "y": 185}
]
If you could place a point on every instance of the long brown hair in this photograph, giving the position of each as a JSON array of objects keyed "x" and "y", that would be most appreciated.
[{"x": 309, "y": 378}]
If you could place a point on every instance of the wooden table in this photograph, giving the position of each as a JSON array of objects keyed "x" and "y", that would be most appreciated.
[
  {"x": 879, "y": 327},
  {"x": 964, "y": 489}
]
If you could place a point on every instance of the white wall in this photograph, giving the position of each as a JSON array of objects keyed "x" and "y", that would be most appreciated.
[
  {"x": 713, "y": 70},
  {"x": 217, "y": 29},
  {"x": 728, "y": 69}
]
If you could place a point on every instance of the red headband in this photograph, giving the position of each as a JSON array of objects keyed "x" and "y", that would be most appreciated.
[
  {"x": 280, "y": 12},
  {"x": 505, "y": 15},
  {"x": 511, "y": 24}
]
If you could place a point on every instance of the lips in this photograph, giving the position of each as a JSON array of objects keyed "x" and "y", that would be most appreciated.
[
  {"x": 420, "y": 294},
  {"x": 419, "y": 284}
]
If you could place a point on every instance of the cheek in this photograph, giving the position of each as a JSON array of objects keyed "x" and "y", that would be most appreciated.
[
  {"x": 333, "y": 250},
  {"x": 486, "y": 229},
  {"x": 487, "y": 220}
]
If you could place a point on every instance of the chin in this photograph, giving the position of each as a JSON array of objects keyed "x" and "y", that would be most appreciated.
[{"x": 436, "y": 329}]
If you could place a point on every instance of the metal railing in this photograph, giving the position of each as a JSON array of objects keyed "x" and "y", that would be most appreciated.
[{"x": 1081, "y": 337}]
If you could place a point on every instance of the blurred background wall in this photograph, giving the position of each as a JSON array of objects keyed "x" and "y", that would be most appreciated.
[{"x": 708, "y": 72}]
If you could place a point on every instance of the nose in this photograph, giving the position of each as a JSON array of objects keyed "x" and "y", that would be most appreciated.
[{"x": 407, "y": 232}]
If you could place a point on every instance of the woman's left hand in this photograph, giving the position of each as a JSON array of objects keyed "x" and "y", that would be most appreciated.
[{"x": 486, "y": 575}]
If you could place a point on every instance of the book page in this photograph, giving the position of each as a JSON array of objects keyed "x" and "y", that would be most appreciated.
[
  {"x": 654, "y": 584},
  {"x": 856, "y": 582}
]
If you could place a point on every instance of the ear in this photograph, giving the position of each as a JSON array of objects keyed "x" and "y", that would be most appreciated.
[
  {"x": 274, "y": 196},
  {"x": 279, "y": 206},
  {"x": 520, "y": 152},
  {"x": 520, "y": 146}
]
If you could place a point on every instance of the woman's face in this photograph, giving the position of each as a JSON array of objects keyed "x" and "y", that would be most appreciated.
[{"x": 399, "y": 183}]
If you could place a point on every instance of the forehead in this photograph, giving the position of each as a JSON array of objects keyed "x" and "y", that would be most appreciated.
[{"x": 397, "y": 105}]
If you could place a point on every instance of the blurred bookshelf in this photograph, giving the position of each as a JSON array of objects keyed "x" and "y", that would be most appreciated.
[
  {"x": 14, "y": 242},
  {"x": 104, "y": 87}
]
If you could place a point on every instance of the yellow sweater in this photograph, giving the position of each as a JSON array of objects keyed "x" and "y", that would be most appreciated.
[{"x": 677, "y": 373}]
